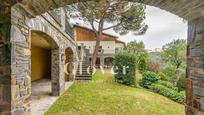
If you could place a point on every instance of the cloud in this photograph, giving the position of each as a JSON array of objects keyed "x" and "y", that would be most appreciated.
[{"x": 163, "y": 28}]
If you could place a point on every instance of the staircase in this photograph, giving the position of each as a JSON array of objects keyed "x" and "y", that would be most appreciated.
[{"x": 82, "y": 73}]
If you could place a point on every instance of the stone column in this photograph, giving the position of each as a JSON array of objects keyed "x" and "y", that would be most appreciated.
[
  {"x": 102, "y": 60},
  {"x": 57, "y": 72},
  {"x": 195, "y": 68}
]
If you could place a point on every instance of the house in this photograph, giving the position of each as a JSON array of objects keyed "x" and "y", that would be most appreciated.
[{"x": 109, "y": 45}]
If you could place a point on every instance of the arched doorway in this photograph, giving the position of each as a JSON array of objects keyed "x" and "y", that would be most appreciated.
[
  {"x": 69, "y": 65},
  {"x": 42, "y": 47},
  {"x": 108, "y": 62}
]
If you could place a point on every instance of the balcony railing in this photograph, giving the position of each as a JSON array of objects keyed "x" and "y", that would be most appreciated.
[{"x": 103, "y": 51}]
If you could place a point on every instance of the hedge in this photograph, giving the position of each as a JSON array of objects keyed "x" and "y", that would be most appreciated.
[
  {"x": 167, "y": 92},
  {"x": 125, "y": 59},
  {"x": 168, "y": 85},
  {"x": 148, "y": 78}
]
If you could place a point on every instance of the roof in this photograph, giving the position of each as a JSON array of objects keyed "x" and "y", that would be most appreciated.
[
  {"x": 87, "y": 34},
  {"x": 119, "y": 41},
  {"x": 86, "y": 28}
]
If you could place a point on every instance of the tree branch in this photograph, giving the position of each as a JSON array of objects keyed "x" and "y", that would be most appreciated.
[{"x": 113, "y": 26}]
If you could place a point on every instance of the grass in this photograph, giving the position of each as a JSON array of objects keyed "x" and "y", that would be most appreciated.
[{"x": 102, "y": 96}]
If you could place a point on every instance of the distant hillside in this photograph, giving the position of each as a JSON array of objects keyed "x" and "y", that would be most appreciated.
[{"x": 155, "y": 56}]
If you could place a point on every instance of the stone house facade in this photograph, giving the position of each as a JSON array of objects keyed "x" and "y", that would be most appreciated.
[
  {"x": 51, "y": 27},
  {"x": 109, "y": 45}
]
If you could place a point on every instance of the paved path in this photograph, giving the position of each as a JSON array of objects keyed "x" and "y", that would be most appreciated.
[{"x": 41, "y": 96}]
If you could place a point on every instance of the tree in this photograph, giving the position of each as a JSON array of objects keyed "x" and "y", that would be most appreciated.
[
  {"x": 175, "y": 54},
  {"x": 122, "y": 16},
  {"x": 138, "y": 49}
]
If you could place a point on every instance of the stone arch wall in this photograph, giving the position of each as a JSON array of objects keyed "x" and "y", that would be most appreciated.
[
  {"x": 16, "y": 68},
  {"x": 20, "y": 87},
  {"x": 187, "y": 9}
]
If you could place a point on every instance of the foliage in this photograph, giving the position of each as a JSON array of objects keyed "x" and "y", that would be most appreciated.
[
  {"x": 148, "y": 78},
  {"x": 168, "y": 85},
  {"x": 138, "y": 49},
  {"x": 125, "y": 60},
  {"x": 175, "y": 53},
  {"x": 122, "y": 16},
  {"x": 163, "y": 76},
  {"x": 165, "y": 91},
  {"x": 155, "y": 66},
  {"x": 182, "y": 81},
  {"x": 169, "y": 71}
]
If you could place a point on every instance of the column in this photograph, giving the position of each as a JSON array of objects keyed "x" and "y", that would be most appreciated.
[{"x": 195, "y": 68}]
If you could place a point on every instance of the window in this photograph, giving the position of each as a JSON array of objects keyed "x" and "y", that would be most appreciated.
[
  {"x": 79, "y": 47},
  {"x": 100, "y": 49}
]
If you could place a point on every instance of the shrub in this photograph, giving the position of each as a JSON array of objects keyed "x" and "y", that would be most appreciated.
[
  {"x": 168, "y": 85},
  {"x": 163, "y": 76},
  {"x": 125, "y": 59},
  {"x": 167, "y": 92},
  {"x": 169, "y": 70},
  {"x": 142, "y": 65},
  {"x": 148, "y": 78}
]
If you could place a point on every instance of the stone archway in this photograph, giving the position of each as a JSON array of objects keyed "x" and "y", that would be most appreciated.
[
  {"x": 42, "y": 74},
  {"x": 12, "y": 38}
]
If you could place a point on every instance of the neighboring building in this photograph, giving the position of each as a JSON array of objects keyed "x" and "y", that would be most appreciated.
[
  {"x": 155, "y": 50},
  {"x": 109, "y": 45}
]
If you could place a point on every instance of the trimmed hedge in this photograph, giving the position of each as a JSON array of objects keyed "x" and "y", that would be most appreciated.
[
  {"x": 148, "y": 78},
  {"x": 125, "y": 59},
  {"x": 167, "y": 92},
  {"x": 168, "y": 85}
]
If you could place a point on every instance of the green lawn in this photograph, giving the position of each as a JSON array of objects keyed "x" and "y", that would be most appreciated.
[{"x": 103, "y": 96}]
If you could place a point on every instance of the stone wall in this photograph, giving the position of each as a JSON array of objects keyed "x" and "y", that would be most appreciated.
[
  {"x": 195, "y": 71},
  {"x": 16, "y": 96},
  {"x": 5, "y": 54}
]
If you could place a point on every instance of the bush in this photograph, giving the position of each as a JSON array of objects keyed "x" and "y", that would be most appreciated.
[
  {"x": 125, "y": 59},
  {"x": 142, "y": 65},
  {"x": 167, "y": 92},
  {"x": 169, "y": 72},
  {"x": 168, "y": 85},
  {"x": 163, "y": 76},
  {"x": 148, "y": 78}
]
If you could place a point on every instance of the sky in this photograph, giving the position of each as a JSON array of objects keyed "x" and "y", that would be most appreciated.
[{"x": 163, "y": 28}]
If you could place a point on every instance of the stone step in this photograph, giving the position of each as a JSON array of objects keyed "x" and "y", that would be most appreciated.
[{"x": 83, "y": 78}]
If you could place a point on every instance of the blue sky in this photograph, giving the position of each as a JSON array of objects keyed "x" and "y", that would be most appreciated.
[{"x": 163, "y": 28}]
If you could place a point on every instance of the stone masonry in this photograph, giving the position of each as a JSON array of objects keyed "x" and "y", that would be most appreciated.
[
  {"x": 195, "y": 71},
  {"x": 22, "y": 27},
  {"x": 18, "y": 18}
]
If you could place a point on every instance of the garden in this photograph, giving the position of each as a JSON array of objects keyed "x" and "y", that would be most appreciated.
[
  {"x": 140, "y": 85},
  {"x": 162, "y": 72}
]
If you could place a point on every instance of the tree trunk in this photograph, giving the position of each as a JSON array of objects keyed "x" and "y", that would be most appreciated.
[
  {"x": 178, "y": 75},
  {"x": 95, "y": 53}
]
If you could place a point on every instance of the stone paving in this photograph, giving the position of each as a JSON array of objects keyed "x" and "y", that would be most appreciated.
[{"x": 41, "y": 96}]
